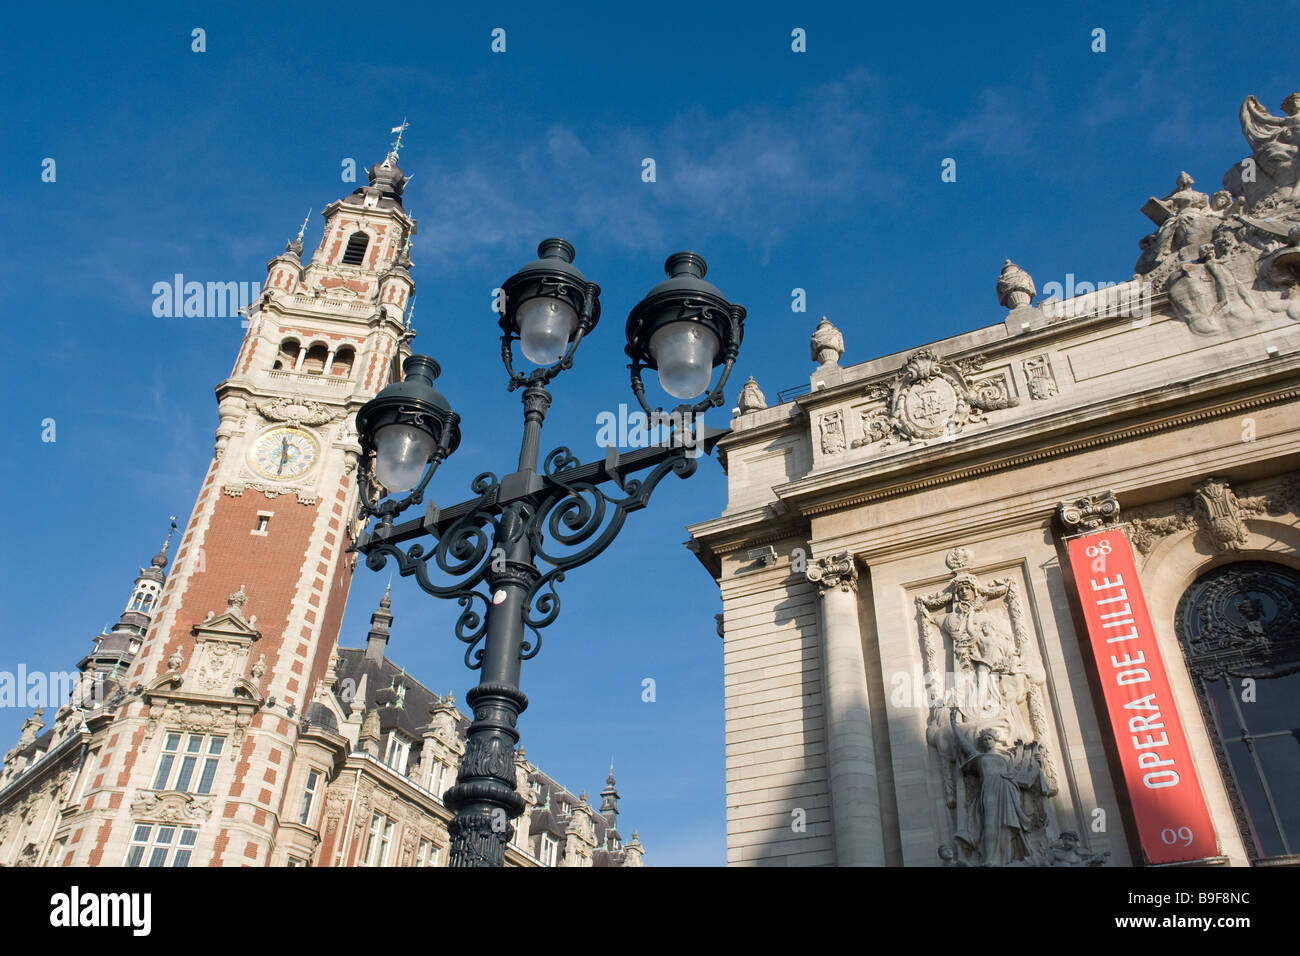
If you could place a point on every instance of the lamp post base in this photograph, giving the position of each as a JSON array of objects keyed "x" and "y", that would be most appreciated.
[{"x": 484, "y": 798}]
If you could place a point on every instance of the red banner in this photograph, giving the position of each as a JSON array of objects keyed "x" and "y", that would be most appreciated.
[{"x": 1172, "y": 818}]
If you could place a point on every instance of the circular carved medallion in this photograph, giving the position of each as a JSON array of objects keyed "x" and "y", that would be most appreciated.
[{"x": 927, "y": 407}]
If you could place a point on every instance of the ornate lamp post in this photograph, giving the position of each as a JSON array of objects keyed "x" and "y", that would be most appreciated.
[{"x": 505, "y": 549}]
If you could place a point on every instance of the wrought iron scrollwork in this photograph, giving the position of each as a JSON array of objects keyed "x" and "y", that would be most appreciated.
[{"x": 567, "y": 522}]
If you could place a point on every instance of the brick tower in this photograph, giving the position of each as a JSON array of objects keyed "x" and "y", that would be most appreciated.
[{"x": 200, "y": 757}]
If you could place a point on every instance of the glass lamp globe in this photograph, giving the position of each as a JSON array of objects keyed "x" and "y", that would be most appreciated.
[
  {"x": 545, "y": 326},
  {"x": 401, "y": 452},
  {"x": 684, "y": 353}
]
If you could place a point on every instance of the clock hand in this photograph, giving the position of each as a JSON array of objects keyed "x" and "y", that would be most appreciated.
[{"x": 284, "y": 454}]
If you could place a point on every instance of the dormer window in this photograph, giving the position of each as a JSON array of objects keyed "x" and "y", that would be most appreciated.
[
  {"x": 397, "y": 751},
  {"x": 549, "y": 850},
  {"x": 355, "y": 253}
]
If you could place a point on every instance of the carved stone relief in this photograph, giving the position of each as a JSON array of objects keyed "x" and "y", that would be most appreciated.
[
  {"x": 1038, "y": 374},
  {"x": 1229, "y": 258},
  {"x": 296, "y": 410},
  {"x": 1215, "y": 511},
  {"x": 832, "y": 432},
  {"x": 170, "y": 807},
  {"x": 200, "y": 719},
  {"x": 236, "y": 489},
  {"x": 930, "y": 398},
  {"x": 988, "y": 721}
]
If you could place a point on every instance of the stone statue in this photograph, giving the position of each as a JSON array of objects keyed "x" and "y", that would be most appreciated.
[
  {"x": 1184, "y": 219},
  {"x": 827, "y": 343},
  {"x": 751, "y": 398},
  {"x": 1275, "y": 142},
  {"x": 1065, "y": 852},
  {"x": 996, "y": 825},
  {"x": 1015, "y": 288},
  {"x": 949, "y": 856},
  {"x": 1224, "y": 261},
  {"x": 986, "y": 687}
]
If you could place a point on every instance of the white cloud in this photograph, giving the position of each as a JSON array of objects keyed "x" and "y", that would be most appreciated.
[{"x": 753, "y": 173}]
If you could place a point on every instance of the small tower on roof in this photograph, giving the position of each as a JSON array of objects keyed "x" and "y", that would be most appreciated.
[
  {"x": 116, "y": 648},
  {"x": 609, "y": 800},
  {"x": 380, "y": 621}
]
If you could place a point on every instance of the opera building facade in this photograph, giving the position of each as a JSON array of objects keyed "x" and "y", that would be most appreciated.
[{"x": 1030, "y": 595}]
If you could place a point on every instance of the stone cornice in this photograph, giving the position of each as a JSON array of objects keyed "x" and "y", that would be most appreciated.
[
  {"x": 398, "y": 784},
  {"x": 712, "y": 539},
  {"x": 809, "y": 497}
]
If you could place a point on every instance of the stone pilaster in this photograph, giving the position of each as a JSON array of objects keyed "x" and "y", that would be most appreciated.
[{"x": 850, "y": 751}]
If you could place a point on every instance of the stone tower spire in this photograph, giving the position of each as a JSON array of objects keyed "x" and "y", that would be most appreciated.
[
  {"x": 115, "y": 649},
  {"x": 380, "y": 621},
  {"x": 609, "y": 799}
]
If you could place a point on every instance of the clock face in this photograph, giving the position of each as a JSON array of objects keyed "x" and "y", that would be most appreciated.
[{"x": 284, "y": 452}]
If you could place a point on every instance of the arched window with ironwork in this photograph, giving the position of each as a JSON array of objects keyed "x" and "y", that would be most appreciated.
[{"x": 1239, "y": 627}]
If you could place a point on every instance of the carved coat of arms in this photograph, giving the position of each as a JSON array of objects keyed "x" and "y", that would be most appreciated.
[{"x": 930, "y": 398}]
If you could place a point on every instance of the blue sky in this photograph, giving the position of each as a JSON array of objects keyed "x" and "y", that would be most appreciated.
[{"x": 816, "y": 170}]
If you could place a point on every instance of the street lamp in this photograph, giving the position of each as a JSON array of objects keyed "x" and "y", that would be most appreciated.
[{"x": 506, "y": 548}]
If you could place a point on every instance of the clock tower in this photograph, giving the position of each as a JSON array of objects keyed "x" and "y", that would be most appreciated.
[{"x": 203, "y": 750}]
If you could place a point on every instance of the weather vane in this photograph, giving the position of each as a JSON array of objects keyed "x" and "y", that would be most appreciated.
[{"x": 399, "y": 130}]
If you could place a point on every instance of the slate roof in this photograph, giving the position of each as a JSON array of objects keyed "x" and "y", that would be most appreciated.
[
  {"x": 553, "y": 817},
  {"x": 406, "y": 711}
]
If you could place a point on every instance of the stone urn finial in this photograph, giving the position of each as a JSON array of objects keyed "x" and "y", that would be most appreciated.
[
  {"x": 1015, "y": 287},
  {"x": 751, "y": 398},
  {"x": 827, "y": 343}
]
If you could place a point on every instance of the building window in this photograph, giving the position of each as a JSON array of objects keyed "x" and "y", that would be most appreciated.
[
  {"x": 399, "y": 748},
  {"x": 314, "y": 363},
  {"x": 550, "y": 849},
  {"x": 295, "y": 861},
  {"x": 287, "y": 359},
  {"x": 355, "y": 253},
  {"x": 189, "y": 766},
  {"x": 313, "y": 778},
  {"x": 436, "y": 776},
  {"x": 1238, "y": 623},
  {"x": 161, "y": 845},
  {"x": 428, "y": 854},
  {"x": 342, "y": 366},
  {"x": 379, "y": 837},
  {"x": 263, "y": 522}
]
